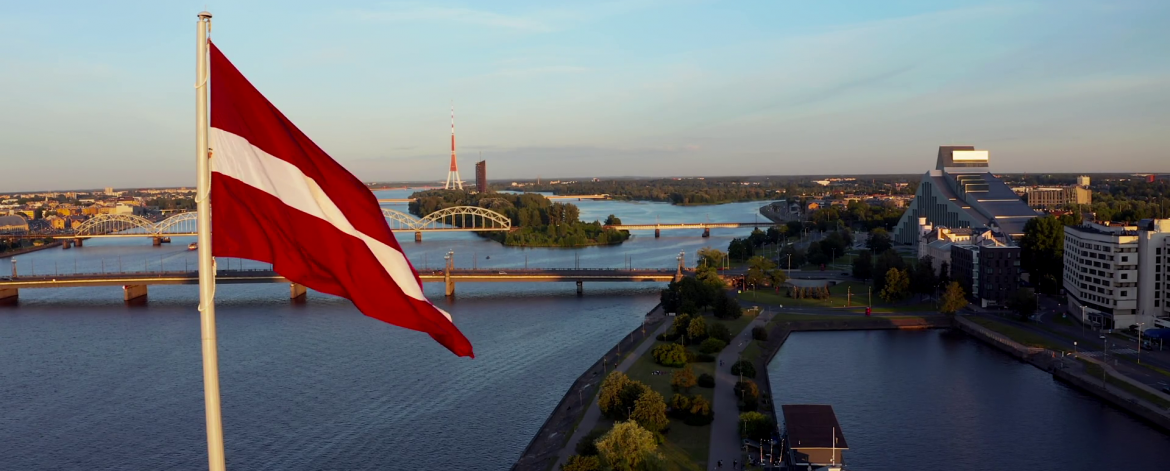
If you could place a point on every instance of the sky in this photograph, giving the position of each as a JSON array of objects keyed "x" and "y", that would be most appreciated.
[{"x": 98, "y": 94}]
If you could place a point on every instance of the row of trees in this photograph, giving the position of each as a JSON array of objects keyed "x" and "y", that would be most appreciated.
[{"x": 696, "y": 293}]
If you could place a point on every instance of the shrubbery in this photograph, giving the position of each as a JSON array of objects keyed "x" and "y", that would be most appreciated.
[
  {"x": 748, "y": 394},
  {"x": 745, "y": 367},
  {"x": 671, "y": 354},
  {"x": 706, "y": 381},
  {"x": 760, "y": 333},
  {"x": 710, "y": 346},
  {"x": 719, "y": 331},
  {"x": 725, "y": 307},
  {"x": 704, "y": 358}
]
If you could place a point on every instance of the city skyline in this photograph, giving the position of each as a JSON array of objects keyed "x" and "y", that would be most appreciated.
[{"x": 631, "y": 89}]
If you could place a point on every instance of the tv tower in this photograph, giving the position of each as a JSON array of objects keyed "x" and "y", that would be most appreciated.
[{"x": 453, "y": 180}]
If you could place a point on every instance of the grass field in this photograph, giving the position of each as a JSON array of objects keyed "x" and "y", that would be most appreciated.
[
  {"x": 1015, "y": 333},
  {"x": 1095, "y": 371},
  {"x": 686, "y": 446},
  {"x": 839, "y": 295}
]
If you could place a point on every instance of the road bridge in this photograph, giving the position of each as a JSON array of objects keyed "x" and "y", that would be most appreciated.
[
  {"x": 599, "y": 196},
  {"x": 134, "y": 283},
  {"x": 705, "y": 226}
]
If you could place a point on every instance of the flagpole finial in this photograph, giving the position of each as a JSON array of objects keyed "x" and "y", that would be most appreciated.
[{"x": 204, "y": 14}]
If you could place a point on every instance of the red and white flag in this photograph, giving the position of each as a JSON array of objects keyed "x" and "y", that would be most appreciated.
[{"x": 278, "y": 198}]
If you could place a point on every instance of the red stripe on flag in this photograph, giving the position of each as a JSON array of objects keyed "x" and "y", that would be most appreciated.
[{"x": 310, "y": 251}]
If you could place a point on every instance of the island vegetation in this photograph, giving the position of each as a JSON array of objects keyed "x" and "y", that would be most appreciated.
[{"x": 536, "y": 221}]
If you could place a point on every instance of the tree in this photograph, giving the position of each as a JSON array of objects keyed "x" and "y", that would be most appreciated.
[
  {"x": 609, "y": 400},
  {"x": 626, "y": 446},
  {"x": 613, "y": 221},
  {"x": 953, "y": 299},
  {"x": 683, "y": 380},
  {"x": 710, "y": 278},
  {"x": 650, "y": 411},
  {"x": 897, "y": 286},
  {"x": 710, "y": 257},
  {"x": 582, "y": 463},
  {"x": 777, "y": 277},
  {"x": 700, "y": 413},
  {"x": 879, "y": 240},
  {"x": 759, "y": 333},
  {"x": 922, "y": 279},
  {"x": 670, "y": 354},
  {"x": 740, "y": 249},
  {"x": 719, "y": 331},
  {"x": 885, "y": 261},
  {"x": 755, "y": 426},
  {"x": 588, "y": 444},
  {"x": 697, "y": 329},
  {"x": 679, "y": 326},
  {"x": 791, "y": 257},
  {"x": 747, "y": 392},
  {"x": 759, "y": 269},
  {"x": 745, "y": 367},
  {"x": 944, "y": 275},
  {"x": 1042, "y": 253},
  {"x": 680, "y": 405},
  {"x": 712, "y": 346},
  {"x": 1023, "y": 301},
  {"x": 863, "y": 266},
  {"x": 726, "y": 307}
]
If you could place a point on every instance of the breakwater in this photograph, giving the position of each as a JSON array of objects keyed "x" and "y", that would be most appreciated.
[{"x": 542, "y": 451}]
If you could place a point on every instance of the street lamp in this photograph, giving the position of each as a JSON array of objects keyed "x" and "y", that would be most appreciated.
[
  {"x": 1139, "y": 356},
  {"x": 1074, "y": 349}
]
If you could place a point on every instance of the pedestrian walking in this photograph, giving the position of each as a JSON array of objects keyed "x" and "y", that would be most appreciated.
[{"x": 735, "y": 464}]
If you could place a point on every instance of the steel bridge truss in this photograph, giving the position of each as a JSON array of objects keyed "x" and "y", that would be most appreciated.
[{"x": 457, "y": 218}]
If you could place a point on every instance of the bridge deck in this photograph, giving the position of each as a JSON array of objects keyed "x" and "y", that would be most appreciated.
[{"x": 267, "y": 276}]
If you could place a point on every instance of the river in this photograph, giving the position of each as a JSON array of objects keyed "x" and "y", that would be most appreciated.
[
  {"x": 87, "y": 382},
  {"x": 940, "y": 400}
]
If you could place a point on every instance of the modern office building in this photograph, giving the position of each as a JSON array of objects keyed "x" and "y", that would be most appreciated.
[
  {"x": 1114, "y": 274},
  {"x": 961, "y": 192},
  {"x": 988, "y": 270},
  {"x": 481, "y": 176}
]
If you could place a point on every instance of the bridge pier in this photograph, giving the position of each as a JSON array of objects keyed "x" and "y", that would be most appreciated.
[
  {"x": 77, "y": 242},
  {"x": 132, "y": 292},
  {"x": 9, "y": 295},
  {"x": 66, "y": 244},
  {"x": 449, "y": 287},
  {"x": 657, "y": 233},
  {"x": 580, "y": 288},
  {"x": 297, "y": 293},
  {"x": 156, "y": 241},
  {"x": 706, "y": 232},
  {"x": 418, "y": 236}
]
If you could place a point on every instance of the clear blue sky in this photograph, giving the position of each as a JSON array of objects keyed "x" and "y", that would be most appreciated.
[{"x": 100, "y": 94}]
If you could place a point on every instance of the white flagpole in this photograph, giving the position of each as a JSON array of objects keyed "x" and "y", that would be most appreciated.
[{"x": 215, "y": 460}]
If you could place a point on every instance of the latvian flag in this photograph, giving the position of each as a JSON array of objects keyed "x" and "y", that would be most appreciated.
[{"x": 278, "y": 198}]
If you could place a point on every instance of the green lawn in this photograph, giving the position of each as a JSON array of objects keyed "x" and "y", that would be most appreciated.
[
  {"x": 1095, "y": 371},
  {"x": 838, "y": 296},
  {"x": 1015, "y": 333}
]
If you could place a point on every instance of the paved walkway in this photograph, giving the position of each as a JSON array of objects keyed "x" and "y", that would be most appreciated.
[
  {"x": 725, "y": 441},
  {"x": 594, "y": 413}
]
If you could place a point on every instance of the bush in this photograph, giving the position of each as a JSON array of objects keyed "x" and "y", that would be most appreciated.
[
  {"x": 700, "y": 413},
  {"x": 680, "y": 406},
  {"x": 748, "y": 394},
  {"x": 745, "y": 367},
  {"x": 692, "y": 357},
  {"x": 706, "y": 381},
  {"x": 587, "y": 445},
  {"x": 719, "y": 331},
  {"x": 682, "y": 380},
  {"x": 726, "y": 307},
  {"x": 670, "y": 354},
  {"x": 704, "y": 358},
  {"x": 660, "y": 338},
  {"x": 760, "y": 333},
  {"x": 710, "y": 346},
  {"x": 582, "y": 463}
]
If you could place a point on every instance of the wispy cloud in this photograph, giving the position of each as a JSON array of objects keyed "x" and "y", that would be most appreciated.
[{"x": 413, "y": 12}]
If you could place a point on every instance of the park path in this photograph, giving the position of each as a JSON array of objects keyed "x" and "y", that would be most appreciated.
[
  {"x": 725, "y": 442},
  {"x": 594, "y": 413}
]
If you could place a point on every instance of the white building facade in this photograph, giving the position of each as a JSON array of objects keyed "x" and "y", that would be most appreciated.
[{"x": 1113, "y": 274}]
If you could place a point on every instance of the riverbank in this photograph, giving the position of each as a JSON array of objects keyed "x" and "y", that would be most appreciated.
[
  {"x": 25, "y": 250},
  {"x": 1113, "y": 388},
  {"x": 543, "y": 450}
]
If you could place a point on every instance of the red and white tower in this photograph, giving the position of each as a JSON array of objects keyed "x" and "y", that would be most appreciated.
[{"x": 453, "y": 180}]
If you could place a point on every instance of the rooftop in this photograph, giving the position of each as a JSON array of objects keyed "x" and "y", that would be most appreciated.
[{"x": 812, "y": 426}]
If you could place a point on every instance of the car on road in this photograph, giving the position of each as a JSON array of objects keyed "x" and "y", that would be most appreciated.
[{"x": 502, "y": 273}]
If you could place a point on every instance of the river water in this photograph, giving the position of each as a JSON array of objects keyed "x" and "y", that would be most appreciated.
[
  {"x": 87, "y": 382},
  {"x": 939, "y": 401}
]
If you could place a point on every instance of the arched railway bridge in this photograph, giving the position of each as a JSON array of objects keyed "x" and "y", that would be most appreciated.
[{"x": 453, "y": 219}]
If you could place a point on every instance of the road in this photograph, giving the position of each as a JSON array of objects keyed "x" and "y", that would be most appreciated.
[{"x": 725, "y": 441}]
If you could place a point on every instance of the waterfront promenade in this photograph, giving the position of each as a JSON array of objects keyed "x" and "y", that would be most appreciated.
[
  {"x": 593, "y": 414},
  {"x": 725, "y": 442}
]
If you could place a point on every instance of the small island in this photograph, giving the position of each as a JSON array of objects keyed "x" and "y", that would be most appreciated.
[{"x": 536, "y": 221}]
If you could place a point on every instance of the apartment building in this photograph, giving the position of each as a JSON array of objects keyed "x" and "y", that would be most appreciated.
[{"x": 1114, "y": 273}]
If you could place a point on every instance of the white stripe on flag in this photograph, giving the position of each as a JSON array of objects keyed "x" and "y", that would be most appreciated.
[{"x": 235, "y": 157}]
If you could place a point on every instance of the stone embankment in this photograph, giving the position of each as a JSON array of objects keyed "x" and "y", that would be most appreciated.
[
  {"x": 542, "y": 450},
  {"x": 25, "y": 250}
]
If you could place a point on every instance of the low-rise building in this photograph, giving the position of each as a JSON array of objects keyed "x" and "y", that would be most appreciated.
[{"x": 13, "y": 224}]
